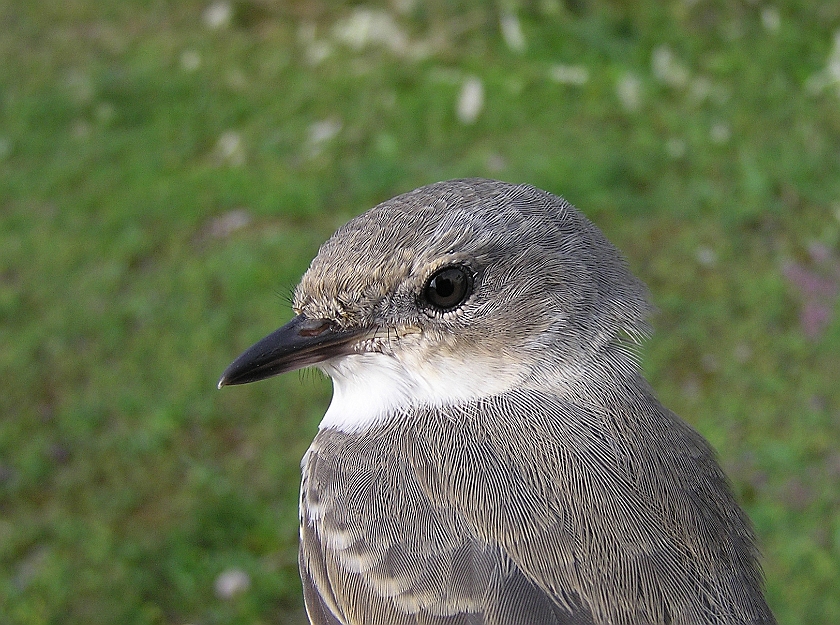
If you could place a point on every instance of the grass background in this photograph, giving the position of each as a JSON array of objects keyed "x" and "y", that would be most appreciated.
[{"x": 168, "y": 169}]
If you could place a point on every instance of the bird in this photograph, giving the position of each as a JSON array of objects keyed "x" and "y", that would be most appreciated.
[{"x": 492, "y": 453}]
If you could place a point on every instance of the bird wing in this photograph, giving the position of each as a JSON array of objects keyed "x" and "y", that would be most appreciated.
[
  {"x": 376, "y": 550},
  {"x": 524, "y": 509},
  {"x": 621, "y": 509}
]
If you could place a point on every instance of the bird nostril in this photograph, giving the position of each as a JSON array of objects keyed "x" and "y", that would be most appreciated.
[{"x": 314, "y": 327}]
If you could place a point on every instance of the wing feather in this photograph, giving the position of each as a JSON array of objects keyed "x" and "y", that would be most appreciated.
[
  {"x": 587, "y": 506},
  {"x": 525, "y": 509},
  {"x": 375, "y": 549}
]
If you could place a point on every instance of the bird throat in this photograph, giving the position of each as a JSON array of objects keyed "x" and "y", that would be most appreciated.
[{"x": 370, "y": 389}]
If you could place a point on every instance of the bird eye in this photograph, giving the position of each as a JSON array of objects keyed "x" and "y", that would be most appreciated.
[{"x": 448, "y": 288}]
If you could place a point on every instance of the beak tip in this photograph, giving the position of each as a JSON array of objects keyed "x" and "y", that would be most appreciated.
[{"x": 300, "y": 343}]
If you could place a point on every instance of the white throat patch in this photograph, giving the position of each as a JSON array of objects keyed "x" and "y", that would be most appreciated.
[{"x": 370, "y": 388}]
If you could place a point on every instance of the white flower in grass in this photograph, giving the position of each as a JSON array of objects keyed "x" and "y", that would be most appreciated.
[
  {"x": 700, "y": 89},
  {"x": 576, "y": 75},
  {"x": 470, "y": 100},
  {"x": 323, "y": 131},
  {"x": 230, "y": 148},
  {"x": 320, "y": 133},
  {"x": 190, "y": 60},
  {"x": 218, "y": 15},
  {"x": 771, "y": 19},
  {"x": 629, "y": 92},
  {"x": 315, "y": 50},
  {"x": 231, "y": 583},
  {"x": 365, "y": 27},
  {"x": 706, "y": 256},
  {"x": 495, "y": 163},
  {"x": 225, "y": 225},
  {"x": 720, "y": 133},
  {"x": 667, "y": 68},
  {"x": 830, "y": 75},
  {"x": 742, "y": 353},
  {"x": 512, "y": 31}
]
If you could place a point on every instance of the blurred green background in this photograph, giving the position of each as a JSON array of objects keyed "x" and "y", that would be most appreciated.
[{"x": 168, "y": 169}]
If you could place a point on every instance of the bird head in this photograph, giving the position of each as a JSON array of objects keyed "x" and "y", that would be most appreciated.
[{"x": 454, "y": 291}]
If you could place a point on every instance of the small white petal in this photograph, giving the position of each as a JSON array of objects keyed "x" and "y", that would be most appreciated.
[
  {"x": 570, "y": 74},
  {"x": 323, "y": 131},
  {"x": 496, "y": 163},
  {"x": 470, "y": 100},
  {"x": 706, "y": 256},
  {"x": 366, "y": 27},
  {"x": 320, "y": 133},
  {"x": 629, "y": 91},
  {"x": 512, "y": 31},
  {"x": 667, "y": 68},
  {"x": 700, "y": 89},
  {"x": 230, "y": 148},
  {"x": 720, "y": 133},
  {"x": 190, "y": 60},
  {"x": 742, "y": 353},
  {"x": 231, "y": 583},
  {"x": 230, "y": 222},
  {"x": 770, "y": 18},
  {"x": 218, "y": 15}
]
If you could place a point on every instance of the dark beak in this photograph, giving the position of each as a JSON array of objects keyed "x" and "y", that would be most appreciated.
[{"x": 299, "y": 343}]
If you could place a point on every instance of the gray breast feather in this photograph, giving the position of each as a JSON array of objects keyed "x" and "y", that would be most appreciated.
[
  {"x": 449, "y": 522},
  {"x": 368, "y": 527}
]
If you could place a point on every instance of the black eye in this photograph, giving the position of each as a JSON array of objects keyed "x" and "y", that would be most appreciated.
[{"x": 448, "y": 288}]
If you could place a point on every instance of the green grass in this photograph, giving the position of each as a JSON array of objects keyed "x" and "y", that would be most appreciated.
[{"x": 128, "y": 483}]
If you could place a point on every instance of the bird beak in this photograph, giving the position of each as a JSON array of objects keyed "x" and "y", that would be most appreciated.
[{"x": 299, "y": 343}]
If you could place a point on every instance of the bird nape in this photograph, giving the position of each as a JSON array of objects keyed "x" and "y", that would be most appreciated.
[{"x": 491, "y": 453}]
